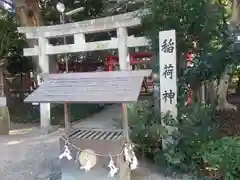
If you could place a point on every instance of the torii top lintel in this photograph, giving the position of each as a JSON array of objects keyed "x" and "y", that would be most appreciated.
[{"x": 90, "y": 26}]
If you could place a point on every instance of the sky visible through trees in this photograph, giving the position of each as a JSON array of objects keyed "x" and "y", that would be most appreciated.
[{"x": 8, "y": 4}]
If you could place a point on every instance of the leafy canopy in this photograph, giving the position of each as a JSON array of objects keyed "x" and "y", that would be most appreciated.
[
  {"x": 201, "y": 27},
  {"x": 11, "y": 43}
]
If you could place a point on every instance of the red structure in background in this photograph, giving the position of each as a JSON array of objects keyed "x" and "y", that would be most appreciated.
[
  {"x": 135, "y": 58},
  {"x": 189, "y": 64},
  {"x": 86, "y": 66},
  {"x": 111, "y": 63},
  {"x": 137, "y": 61}
]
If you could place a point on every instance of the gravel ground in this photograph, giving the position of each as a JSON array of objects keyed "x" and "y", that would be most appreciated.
[
  {"x": 27, "y": 154},
  {"x": 35, "y": 157},
  {"x": 30, "y": 157}
]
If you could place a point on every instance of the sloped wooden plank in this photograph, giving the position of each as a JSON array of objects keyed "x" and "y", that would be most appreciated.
[{"x": 94, "y": 87}]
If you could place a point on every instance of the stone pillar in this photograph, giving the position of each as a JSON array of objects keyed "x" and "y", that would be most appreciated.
[
  {"x": 79, "y": 39},
  {"x": 4, "y": 113},
  {"x": 122, "y": 36},
  {"x": 45, "y": 116}
]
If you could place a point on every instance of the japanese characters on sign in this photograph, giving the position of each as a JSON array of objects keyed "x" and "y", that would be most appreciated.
[
  {"x": 168, "y": 96},
  {"x": 168, "y": 45},
  {"x": 168, "y": 70}
]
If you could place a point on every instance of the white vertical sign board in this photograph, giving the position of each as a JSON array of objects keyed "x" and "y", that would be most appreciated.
[{"x": 168, "y": 73}]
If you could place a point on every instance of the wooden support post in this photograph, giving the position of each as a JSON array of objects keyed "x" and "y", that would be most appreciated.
[
  {"x": 45, "y": 116},
  {"x": 124, "y": 66}
]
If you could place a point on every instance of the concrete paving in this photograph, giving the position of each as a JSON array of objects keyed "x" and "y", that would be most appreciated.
[
  {"x": 26, "y": 154},
  {"x": 29, "y": 156},
  {"x": 104, "y": 119}
]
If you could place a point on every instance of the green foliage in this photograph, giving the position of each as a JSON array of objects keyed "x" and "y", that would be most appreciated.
[
  {"x": 31, "y": 114},
  {"x": 146, "y": 128},
  {"x": 196, "y": 144},
  {"x": 10, "y": 39},
  {"x": 92, "y": 9},
  {"x": 223, "y": 155},
  {"x": 11, "y": 43},
  {"x": 201, "y": 27},
  {"x": 210, "y": 66},
  {"x": 50, "y": 15},
  {"x": 195, "y": 127},
  {"x": 200, "y": 21}
]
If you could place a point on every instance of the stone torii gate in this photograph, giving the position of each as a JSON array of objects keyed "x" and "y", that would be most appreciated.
[{"x": 120, "y": 23}]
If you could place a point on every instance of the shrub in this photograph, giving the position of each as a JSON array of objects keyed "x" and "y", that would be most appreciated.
[
  {"x": 196, "y": 146},
  {"x": 146, "y": 128},
  {"x": 222, "y": 155},
  {"x": 196, "y": 126}
]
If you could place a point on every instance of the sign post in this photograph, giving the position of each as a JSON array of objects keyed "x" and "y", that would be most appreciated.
[{"x": 168, "y": 76}]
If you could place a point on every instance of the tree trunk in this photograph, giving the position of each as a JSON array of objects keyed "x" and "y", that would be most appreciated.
[
  {"x": 238, "y": 86},
  {"x": 235, "y": 18},
  {"x": 203, "y": 93},
  {"x": 222, "y": 103},
  {"x": 212, "y": 92},
  {"x": 28, "y": 14}
]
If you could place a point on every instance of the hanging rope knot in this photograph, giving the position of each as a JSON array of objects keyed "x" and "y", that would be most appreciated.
[
  {"x": 113, "y": 168},
  {"x": 66, "y": 153},
  {"x": 130, "y": 156}
]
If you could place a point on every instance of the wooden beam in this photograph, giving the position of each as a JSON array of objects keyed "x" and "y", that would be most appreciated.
[{"x": 91, "y": 46}]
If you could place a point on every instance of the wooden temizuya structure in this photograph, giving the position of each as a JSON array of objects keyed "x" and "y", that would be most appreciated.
[
  {"x": 120, "y": 23},
  {"x": 94, "y": 149},
  {"x": 106, "y": 153}
]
